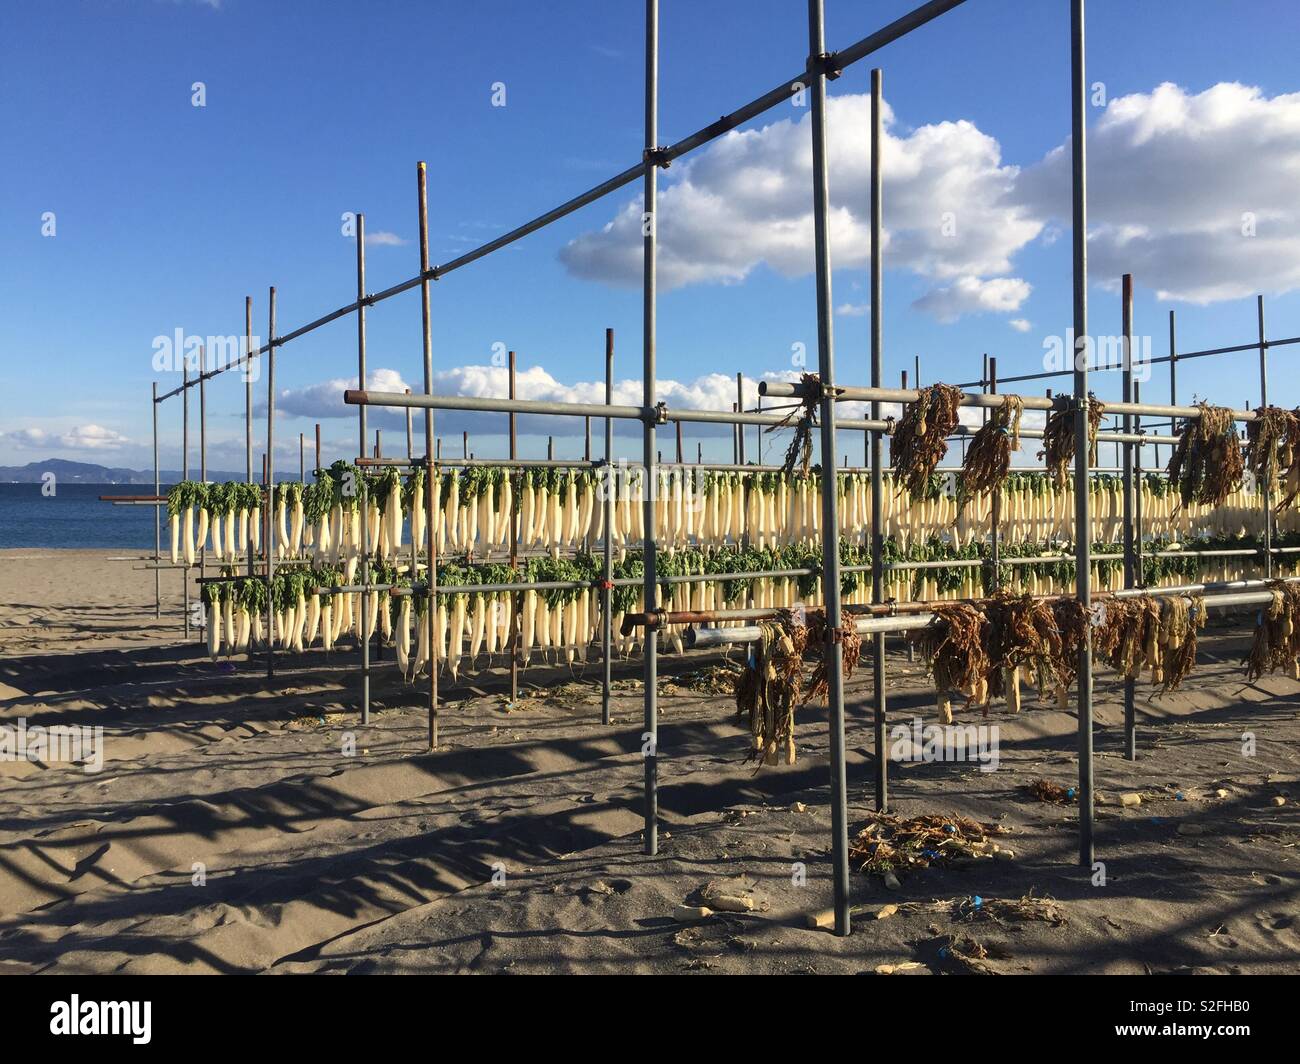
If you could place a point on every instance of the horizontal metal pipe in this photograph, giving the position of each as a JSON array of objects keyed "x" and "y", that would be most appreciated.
[
  {"x": 833, "y": 65},
  {"x": 987, "y": 399},
  {"x": 357, "y": 397},
  {"x": 1051, "y": 373},
  {"x": 701, "y": 638}
]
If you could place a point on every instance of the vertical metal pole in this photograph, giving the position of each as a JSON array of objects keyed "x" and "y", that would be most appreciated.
[
  {"x": 363, "y": 486},
  {"x": 203, "y": 450},
  {"x": 514, "y": 544},
  {"x": 302, "y": 458},
  {"x": 735, "y": 438},
  {"x": 607, "y": 574},
  {"x": 268, "y": 544},
  {"x": 410, "y": 443},
  {"x": 833, "y": 650},
  {"x": 1173, "y": 381},
  {"x": 248, "y": 390},
  {"x": 875, "y": 446},
  {"x": 318, "y": 465},
  {"x": 157, "y": 514},
  {"x": 1130, "y": 569},
  {"x": 995, "y": 509},
  {"x": 1082, "y": 517},
  {"x": 1265, "y": 490},
  {"x": 185, "y": 472},
  {"x": 431, "y": 548},
  {"x": 650, "y": 736},
  {"x": 586, "y": 447},
  {"x": 1140, "y": 567},
  {"x": 249, "y": 374},
  {"x": 740, "y": 406}
]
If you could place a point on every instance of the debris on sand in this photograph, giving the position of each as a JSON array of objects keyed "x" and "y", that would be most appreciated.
[
  {"x": 969, "y": 954},
  {"x": 889, "y": 844},
  {"x": 736, "y": 895},
  {"x": 1005, "y": 910},
  {"x": 1047, "y": 791},
  {"x": 713, "y": 679}
]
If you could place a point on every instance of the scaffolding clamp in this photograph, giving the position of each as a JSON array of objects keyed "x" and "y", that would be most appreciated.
[
  {"x": 659, "y": 157},
  {"x": 658, "y": 414},
  {"x": 825, "y": 63}
]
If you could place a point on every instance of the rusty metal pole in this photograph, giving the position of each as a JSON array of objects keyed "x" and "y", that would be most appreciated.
[
  {"x": 517, "y": 603},
  {"x": 431, "y": 550}
]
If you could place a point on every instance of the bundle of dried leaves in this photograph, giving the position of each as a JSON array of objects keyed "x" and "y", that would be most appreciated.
[
  {"x": 1058, "y": 438},
  {"x": 1207, "y": 464},
  {"x": 1180, "y": 619},
  {"x": 954, "y": 648},
  {"x": 804, "y": 419},
  {"x": 1127, "y": 636},
  {"x": 889, "y": 843},
  {"x": 1289, "y": 462},
  {"x": 1073, "y": 621},
  {"x": 1267, "y": 437},
  {"x": 1047, "y": 791},
  {"x": 1276, "y": 643},
  {"x": 1023, "y": 633},
  {"x": 767, "y": 689},
  {"x": 988, "y": 460},
  {"x": 920, "y": 438},
  {"x": 851, "y": 650}
]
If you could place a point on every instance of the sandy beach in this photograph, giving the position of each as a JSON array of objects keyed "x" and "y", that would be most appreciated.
[{"x": 233, "y": 829}]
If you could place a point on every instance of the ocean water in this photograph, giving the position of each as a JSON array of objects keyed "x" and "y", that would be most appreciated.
[{"x": 74, "y": 517}]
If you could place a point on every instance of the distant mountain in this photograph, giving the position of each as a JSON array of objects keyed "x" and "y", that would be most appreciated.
[{"x": 89, "y": 473}]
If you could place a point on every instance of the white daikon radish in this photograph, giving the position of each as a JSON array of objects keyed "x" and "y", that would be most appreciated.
[
  {"x": 404, "y": 634},
  {"x": 527, "y": 625}
]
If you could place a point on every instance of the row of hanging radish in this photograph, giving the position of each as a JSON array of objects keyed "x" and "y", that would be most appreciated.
[
  {"x": 564, "y": 510},
  {"x": 474, "y": 630}
]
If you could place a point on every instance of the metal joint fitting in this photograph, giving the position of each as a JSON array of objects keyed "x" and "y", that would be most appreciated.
[
  {"x": 891, "y": 423},
  {"x": 825, "y": 63},
  {"x": 659, "y": 414},
  {"x": 657, "y": 157}
]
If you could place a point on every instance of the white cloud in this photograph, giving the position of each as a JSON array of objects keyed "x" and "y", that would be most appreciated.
[
  {"x": 1172, "y": 179},
  {"x": 747, "y": 200},
  {"x": 22, "y": 438},
  {"x": 1177, "y": 182},
  {"x": 1020, "y": 324},
  {"x": 970, "y": 295},
  {"x": 383, "y": 238},
  {"x": 92, "y": 438},
  {"x": 79, "y": 438},
  {"x": 853, "y": 310}
]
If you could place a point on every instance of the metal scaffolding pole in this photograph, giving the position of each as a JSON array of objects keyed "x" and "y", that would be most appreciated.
[
  {"x": 185, "y": 473},
  {"x": 157, "y": 516},
  {"x": 1265, "y": 490},
  {"x": 607, "y": 562},
  {"x": 518, "y": 601},
  {"x": 650, "y": 737},
  {"x": 268, "y": 540},
  {"x": 1082, "y": 524},
  {"x": 362, "y": 486},
  {"x": 995, "y": 505},
  {"x": 1130, "y": 569},
  {"x": 834, "y": 650},
  {"x": 248, "y": 391},
  {"x": 203, "y": 455},
  {"x": 877, "y": 447},
  {"x": 430, "y": 492}
]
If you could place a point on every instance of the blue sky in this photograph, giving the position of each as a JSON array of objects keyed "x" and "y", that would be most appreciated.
[{"x": 167, "y": 214}]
